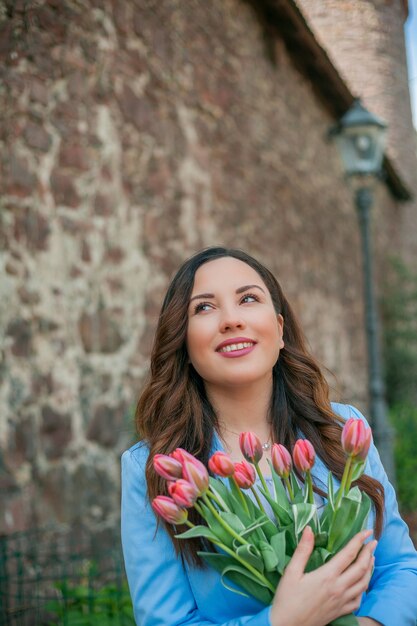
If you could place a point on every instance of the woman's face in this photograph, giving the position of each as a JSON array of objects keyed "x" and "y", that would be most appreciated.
[{"x": 234, "y": 335}]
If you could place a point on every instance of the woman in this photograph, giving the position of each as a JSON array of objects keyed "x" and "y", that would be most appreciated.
[{"x": 229, "y": 356}]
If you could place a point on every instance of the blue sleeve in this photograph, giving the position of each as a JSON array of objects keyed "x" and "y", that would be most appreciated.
[
  {"x": 159, "y": 585},
  {"x": 392, "y": 595}
]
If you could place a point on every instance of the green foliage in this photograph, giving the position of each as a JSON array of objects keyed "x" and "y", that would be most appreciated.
[
  {"x": 81, "y": 605},
  {"x": 399, "y": 308},
  {"x": 404, "y": 418}
]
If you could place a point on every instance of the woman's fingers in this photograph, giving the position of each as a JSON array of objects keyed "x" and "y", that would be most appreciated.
[
  {"x": 302, "y": 553},
  {"x": 360, "y": 567},
  {"x": 345, "y": 557}
]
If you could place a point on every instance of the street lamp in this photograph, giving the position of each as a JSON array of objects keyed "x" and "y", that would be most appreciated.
[{"x": 360, "y": 136}]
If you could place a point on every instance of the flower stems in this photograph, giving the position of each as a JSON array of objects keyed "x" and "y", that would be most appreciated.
[
  {"x": 221, "y": 521},
  {"x": 242, "y": 497}
]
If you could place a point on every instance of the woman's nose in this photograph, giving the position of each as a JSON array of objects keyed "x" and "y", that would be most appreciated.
[{"x": 231, "y": 320}]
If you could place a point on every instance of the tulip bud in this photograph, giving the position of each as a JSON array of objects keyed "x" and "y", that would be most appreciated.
[
  {"x": 251, "y": 447},
  {"x": 183, "y": 493},
  {"x": 221, "y": 464},
  {"x": 244, "y": 474},
  {"x": 167, "y": 467},
  {"x": 166, "y": 508},
  {"x": 181, "y": 455},
  {"x": 196, "y": 473},
  {"x": 303, "y": 455},
  {"x": 356, "y": 438},
  {"x": 281, "y": 460}
]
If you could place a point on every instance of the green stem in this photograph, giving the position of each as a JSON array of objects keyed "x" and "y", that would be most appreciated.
[
  {"x": 221, "y": 521},
  {"x": 349, "y": 478},
  {"x": 242, "y": 497},
  {"x": 261, "y": 476},
  {"x": 342, "y": 488},
  {"x": 215, "y": 498},
  {"x": 248, "y": 566},
  {"x": 255, "y": 493},
  {"x": 289, "y": 487},
  {"x": 310, "y": 495}
]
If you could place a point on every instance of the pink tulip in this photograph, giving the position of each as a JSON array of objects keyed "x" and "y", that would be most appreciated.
[
  {"x": 244, "y": 474},
  {"x": 196, "y": 473},
  {"x": 251, "y": 447},
  {"x": 303, "y": 455},
  {"x": 166, "y": 508},
  {"x": 281, "y": 460},
  {"x": 182, "y": 455},
  {"x": 221, "y": 464},
  {"x": 167, "y": 467},
  {"x": 183, "y": 493},
  {"x": 356, "y": 438}
]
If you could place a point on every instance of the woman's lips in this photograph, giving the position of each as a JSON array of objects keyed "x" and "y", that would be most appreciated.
[{"x": 238, "y": 346}]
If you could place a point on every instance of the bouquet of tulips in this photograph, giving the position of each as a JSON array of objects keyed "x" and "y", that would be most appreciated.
[{"x": 252, "y": 548}]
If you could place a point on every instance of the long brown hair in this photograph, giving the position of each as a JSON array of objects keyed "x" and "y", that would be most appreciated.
[{"x": 174, "y": 411}]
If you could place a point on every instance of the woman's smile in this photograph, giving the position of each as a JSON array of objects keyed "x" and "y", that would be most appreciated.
[{"x": 235, "y": 347}]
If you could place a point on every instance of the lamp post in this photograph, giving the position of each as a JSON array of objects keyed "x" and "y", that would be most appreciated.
[{"x": 360, "y": 136}]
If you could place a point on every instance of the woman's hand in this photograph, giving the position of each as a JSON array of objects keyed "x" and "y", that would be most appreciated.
[
  {"x": 367, "y": 621},
  {"x": 332, "y": 590}
]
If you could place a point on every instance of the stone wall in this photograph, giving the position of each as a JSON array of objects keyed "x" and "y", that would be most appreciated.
[{"x": 133, "y": 133}]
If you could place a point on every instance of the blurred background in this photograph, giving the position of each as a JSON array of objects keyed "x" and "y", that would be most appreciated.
[{"x": 133, "y": 133}]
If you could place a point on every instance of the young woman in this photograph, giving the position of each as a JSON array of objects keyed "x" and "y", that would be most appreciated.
[{"x": 229, "y": 356}]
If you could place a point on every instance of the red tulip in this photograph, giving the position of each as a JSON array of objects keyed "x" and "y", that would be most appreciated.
[
  {"x": 221, "y": 464},
  {"x": 196, "y": 473},
  {"x": 166, "y": 508},
  {"x": 356, "y": 438},
  {"x": 244, "y": 474},
  {"x": 183, "y": 493},
  {"x": 281, "y": 460},
  {"x": 303, "y": 455},
  {"x": 167, "y": 467},
  {"x": 251, "y": 447}
]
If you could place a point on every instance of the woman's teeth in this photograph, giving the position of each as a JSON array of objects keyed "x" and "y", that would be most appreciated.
[{"x": 236, "y": 346}]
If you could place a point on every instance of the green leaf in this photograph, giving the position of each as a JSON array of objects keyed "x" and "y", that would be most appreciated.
[
  {"x": 283, "y": 517},
  {"x": 232, "y": 520},
  {"x": 251, "y": 555},
  {"x": 247, "y": 581},
  {"x": 280, "y": 493},
  {"x": 269, "y": 556},
  {"x": 221, "y": 492},
  {"x": 330, "y": 490},
  {"x": 341, "y": 523},
  {"x": 278, "y": 543},
  {"x": 197, "y": 531},
  {"x": 215, "y": 526},
  {"x": 217, "y": 561},
  {"x": 303, "y": 514},
  {"x": 297, "y": 490},
  {"x": 358, "y": 470},
  {"x": 318, "y": 557},
  {"x": 345, "y": 620},
  {"x": 354, "y": 494}
]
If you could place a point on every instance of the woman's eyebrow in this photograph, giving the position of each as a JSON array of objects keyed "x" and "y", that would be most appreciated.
[
  {"x": 246, "y": 287},
  {"x": 239, "y": 290}
]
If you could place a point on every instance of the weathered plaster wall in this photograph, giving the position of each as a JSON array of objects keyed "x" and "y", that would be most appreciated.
[{"x": 134, "y": 133}]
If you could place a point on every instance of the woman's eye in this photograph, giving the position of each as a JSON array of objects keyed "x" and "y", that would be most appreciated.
[
  {"x": 202, "y": 306},
  {"x": 249, "y": 297}
]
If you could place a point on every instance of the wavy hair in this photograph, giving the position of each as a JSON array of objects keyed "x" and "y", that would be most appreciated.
[{"x": 174, "y": 411}]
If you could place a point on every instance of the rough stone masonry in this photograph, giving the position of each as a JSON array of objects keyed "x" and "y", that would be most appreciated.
[{"x": 133, "y": 133}]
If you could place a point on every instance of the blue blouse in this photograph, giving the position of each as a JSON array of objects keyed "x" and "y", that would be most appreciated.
[{"x": 167, "y": 592}]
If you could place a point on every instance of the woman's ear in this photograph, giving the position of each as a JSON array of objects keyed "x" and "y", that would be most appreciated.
[{"x": 280, "y": 321}]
